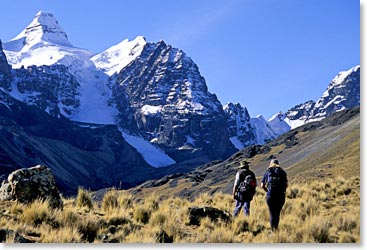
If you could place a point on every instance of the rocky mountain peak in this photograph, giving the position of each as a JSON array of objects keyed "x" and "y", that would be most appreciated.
[
  {"x": 239, "y": 126},
  {"x": 3, "y": 60},
  {"x": 342, "y": 93},
  {"x": 163, "y": 93},
  {"x": 345, "y": 76}
]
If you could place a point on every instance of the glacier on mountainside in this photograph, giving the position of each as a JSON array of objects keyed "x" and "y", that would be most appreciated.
[{"x": 151, "y": 154}]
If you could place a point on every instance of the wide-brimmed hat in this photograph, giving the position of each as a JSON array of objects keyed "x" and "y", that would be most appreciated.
[{"x": 244, "y": 165}]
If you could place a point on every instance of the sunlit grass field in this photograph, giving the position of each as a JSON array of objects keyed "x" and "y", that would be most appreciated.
[{"x": 326, "y": 211}]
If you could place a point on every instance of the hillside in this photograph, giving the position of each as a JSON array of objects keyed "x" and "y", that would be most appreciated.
[
  {"x": 322, "y": 201},
  {"x": 318, "y": 150},
  {"x": 88, "y": 155}
]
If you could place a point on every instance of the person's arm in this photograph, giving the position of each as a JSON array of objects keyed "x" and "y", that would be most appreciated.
[
  {"x": 236, "y": 183},
  {"x": 263, "y": 182},
  {"x": 263, "y": 186}
]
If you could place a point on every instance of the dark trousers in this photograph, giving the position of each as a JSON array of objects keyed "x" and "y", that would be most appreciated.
[
  {"x": 244, "y": 202},
  {"x": 275, "y": 205}
]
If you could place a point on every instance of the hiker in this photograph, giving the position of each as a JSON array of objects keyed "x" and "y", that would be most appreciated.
[
  {"x": 244, "y": 189},
  {"x": 275, "y": 183}
]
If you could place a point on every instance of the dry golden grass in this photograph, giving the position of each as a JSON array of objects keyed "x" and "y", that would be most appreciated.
[
  {"x": 84, "y": 199},
  {"x": 321, "y": 211}
]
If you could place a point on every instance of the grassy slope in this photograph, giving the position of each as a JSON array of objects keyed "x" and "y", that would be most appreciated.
[{"x": 326, "y": 152}]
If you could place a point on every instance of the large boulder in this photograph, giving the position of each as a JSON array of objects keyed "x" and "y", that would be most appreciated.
[
  {"x": 28, "y": 184},
  {"x": 197, "y": 213}
]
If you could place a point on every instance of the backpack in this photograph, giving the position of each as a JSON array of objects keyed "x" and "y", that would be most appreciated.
[
  {"x": 276, "y": 180},
  {"x": 247, "y": 186}
]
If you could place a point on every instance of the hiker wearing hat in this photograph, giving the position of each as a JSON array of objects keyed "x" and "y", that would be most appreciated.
[
  {"x": 275, "y": 183},
  {"x": 244, "y": 189}
]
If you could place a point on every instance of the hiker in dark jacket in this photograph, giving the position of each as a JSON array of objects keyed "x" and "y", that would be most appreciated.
[
  {"x": 275, "y": 183},
  {"x": 244, "y": 189}
]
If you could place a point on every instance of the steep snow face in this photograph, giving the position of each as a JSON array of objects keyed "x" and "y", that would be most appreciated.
[
  {"x": 264, "y": 132},
  {"x": 94, "y": 96},
  {"x": 115, "y": 58},
  {"x": 278, "y": 124}
]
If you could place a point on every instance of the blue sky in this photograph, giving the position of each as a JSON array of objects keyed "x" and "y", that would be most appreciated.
[{"x": 268, "y": 55}]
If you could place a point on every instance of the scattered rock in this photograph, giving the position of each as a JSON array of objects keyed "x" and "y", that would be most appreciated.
[
  {"x": 198, "y": 177},
  {"x": 197, "y": 213},
  {"x": 105, "y": 238},
  {"x": 3, "y": 235},
  {"x": 251, "y": 151},
  {"x": 5, "y": 191},
  {"x": 20, "y": 239},
  {"x": 112, "y": 229},
  {"x": 34, "y": 234},
  {"x": 28, "y": 184},
  {"x": 163, "y": 237}
]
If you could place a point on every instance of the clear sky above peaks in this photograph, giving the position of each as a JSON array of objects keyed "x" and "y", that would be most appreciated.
[{"x": 268, "y": 55}]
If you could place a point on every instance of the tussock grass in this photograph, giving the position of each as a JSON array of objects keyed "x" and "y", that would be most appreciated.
[
  {"x": 110, "y": 201},
  {"x": 142, "y": 215},
  {"x": 320, "y": 211},
  {"x": 125, "y": 200},
  {"x": 37, "y": 213},
  {"x": 84, "y": 199}
]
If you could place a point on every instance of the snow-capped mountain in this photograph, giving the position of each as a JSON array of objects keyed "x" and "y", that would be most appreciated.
[
  {"x": 278, "y": 124},
  {"x": 153, "y": 92},
  {"x": 43, "y": 42},
  {"x": 263, "y": 131},
  {"x": 162, "y": 95},
  {"x": 245, "y": 131},
  {"x": 342, "y": 93}
]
